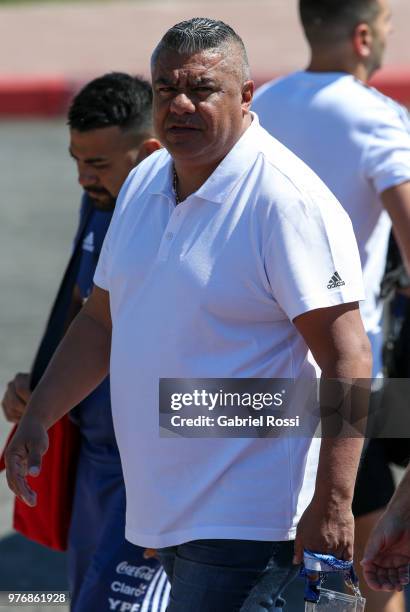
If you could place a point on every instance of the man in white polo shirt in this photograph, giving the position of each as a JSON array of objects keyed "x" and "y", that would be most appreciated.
[
  {"x": 358, "y": 142},
  {"x": 218, "y": 264}
]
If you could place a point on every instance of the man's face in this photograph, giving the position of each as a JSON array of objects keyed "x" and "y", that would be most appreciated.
[
  {"x": 104, "y": 158},
  {"x": 381, "y": 28},
  {"x": 199, "y": 104}
]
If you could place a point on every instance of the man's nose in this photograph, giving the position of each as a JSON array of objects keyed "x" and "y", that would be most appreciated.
[
  {"x": 182, "y": 104},
  {"x": 87, "y": 178}
]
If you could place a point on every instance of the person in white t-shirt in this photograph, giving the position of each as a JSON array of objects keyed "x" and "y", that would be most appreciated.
[
  {"x": 358, "y": 142},
  {"x": 218, "y": 264}
]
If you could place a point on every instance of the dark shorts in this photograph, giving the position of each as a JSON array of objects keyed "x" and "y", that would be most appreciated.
[{"x": 375, "y": 484}]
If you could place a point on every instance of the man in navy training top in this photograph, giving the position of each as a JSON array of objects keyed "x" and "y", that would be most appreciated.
[{"x": 110, "y": 133}]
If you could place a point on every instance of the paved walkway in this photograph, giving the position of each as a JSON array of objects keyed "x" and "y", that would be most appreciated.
[
  {"x": 55, "y": 44},
  {"x": 37, "y": 219},
  {"x": 84, "y": 39}
]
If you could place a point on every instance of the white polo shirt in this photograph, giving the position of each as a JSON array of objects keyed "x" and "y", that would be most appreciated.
[
  {"x": 358, "y": 142},
  {"x": 208, "y": 289}
]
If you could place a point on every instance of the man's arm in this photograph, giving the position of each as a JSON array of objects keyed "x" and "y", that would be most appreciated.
[
  {"x": 396, "y": 201},
  {"x": 387, "y": 555},
  {"x": 79, "y": 364},
  {"x": 339, "y": 344}
]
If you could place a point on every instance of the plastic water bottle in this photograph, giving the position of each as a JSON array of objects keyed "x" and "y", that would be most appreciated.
[
  {"x": 316, "y": 567},
  {"x": 337, "y": 602}
]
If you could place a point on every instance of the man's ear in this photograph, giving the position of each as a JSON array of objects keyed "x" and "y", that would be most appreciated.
[
  {"x": 147, "y": 147},
  {"x": 247, "y": 94},
  {"x": 362, "y": 40}
]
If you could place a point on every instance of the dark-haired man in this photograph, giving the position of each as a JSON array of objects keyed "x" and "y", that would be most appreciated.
[
  {"x": 110, "y": 133},
  {"x": 358, "y": 142},
  {"x": 237, "y": 240}
]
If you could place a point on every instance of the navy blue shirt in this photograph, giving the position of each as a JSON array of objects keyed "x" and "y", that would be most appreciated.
[{"x": 93, "y": 414}]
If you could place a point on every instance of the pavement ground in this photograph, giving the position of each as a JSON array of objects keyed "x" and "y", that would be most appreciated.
[
  {"x": 46, "y": 49},
  {"x": 82, "y": 39},
  {"x": 37, "y": 221}
]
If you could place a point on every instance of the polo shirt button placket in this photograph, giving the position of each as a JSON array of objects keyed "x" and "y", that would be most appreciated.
[{"x": 174, "y": 224}]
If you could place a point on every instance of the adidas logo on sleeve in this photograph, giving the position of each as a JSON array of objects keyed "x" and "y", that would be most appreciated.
[{"x": 336, "y": 281}]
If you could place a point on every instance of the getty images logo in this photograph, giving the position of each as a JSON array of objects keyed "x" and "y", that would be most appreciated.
[{"x": 336, "y": 281}]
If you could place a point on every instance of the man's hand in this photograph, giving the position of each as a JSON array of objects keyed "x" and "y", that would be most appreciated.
[
  {"x": 326, "y": 528},
  {"x": 387, "y": 555},
  {"x": 16, "y": 397},
  {"x": 23, "y": 457}
]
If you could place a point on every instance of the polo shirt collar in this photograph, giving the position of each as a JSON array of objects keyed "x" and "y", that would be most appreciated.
[{"x": 224, "y": 178}]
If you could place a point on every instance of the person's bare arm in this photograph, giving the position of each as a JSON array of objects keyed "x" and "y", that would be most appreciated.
[
  {"x": 341, "y": 348},
  {"x": 79, "y": 364},
  {"x": 387, "y": 555},
  {"x": 396, "y": 201}
]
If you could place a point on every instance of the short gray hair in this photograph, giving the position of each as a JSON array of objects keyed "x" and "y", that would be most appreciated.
[{"x": 199, "y": 34}]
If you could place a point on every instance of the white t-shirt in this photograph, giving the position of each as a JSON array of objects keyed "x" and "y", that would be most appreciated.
[
  {"x": 358, "y": 142},
  {"x": 208, "y": 289}
]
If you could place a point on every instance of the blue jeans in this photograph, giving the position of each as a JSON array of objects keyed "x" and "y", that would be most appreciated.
[{"x": 227, "y": 575}]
